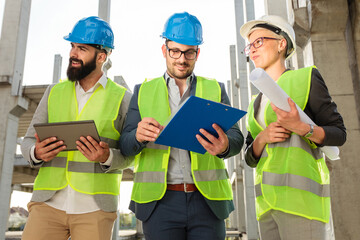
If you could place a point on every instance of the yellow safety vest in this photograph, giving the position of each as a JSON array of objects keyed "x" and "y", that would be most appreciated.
[
  {"x": 291, "y": 176},
  {"x": 72, "y": 167},
  {"x": 151, "y": 165}
]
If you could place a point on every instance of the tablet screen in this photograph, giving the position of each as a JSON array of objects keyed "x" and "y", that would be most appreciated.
[{"x": 69, "y": 132}]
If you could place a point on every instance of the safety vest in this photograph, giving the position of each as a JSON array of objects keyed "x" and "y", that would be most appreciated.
[
  {"x": 291, "y": 176},
  {"x": 72, "y": 167},
  {"x": 151, "y": 164}
]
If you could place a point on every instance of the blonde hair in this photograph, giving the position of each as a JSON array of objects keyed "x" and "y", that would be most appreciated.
[{"x": 273, "y": 34}]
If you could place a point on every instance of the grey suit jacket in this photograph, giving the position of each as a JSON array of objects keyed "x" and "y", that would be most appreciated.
[
  {"x": 130, "y": 146},
  {"x": 105, "y": 202}
]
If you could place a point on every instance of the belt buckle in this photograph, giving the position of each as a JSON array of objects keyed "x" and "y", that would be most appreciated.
[{"x": 185, "y": 188}]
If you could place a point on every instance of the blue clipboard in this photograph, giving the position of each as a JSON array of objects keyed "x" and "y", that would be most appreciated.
[{"x": 197, "y": 113}]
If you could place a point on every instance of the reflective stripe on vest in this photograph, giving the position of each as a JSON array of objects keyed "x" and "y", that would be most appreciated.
[
  {"x": 151, "y": 165},
  {"x": 150, "y": 177},
  {"x": 81, "y": 167},
  {"x": 72, "y": 167},
  {"x": 211, "y": 175},
  {"x": 302, "y": 143},
  {"x": 294, "y": 181},
  {"x": 291, "y": 176},
  {"x": 59, "y": 162}
]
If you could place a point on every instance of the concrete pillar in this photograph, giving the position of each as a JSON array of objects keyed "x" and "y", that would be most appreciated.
[
  {"x": 104, "y": 10},
  {"x": 277, "y": 7},
  {"x": 246, "y": 91},
  {"x": 233, "y": 218},
  {"x": 12, "y": 48},
  {"x": 244, "y": 11},
  {"x": 337, "y": 60},
  {"x": 12, "y": 109},
  {"x": 13, "y": 43},
  {"x": 352, "y": 37},
  {"x": 284, "y": 9},
  {"x": 238, "y": 216},
  {"x": 121, "y": 81},
  {"x": 107, "y": 65},
  {"x": 104, "y": 13},
  {"x": 57, "y": 68},
  {"x": 302, "y": 35}
]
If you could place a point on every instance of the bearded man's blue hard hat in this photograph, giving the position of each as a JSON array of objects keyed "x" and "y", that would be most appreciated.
[
  {"x": 92, "y": 30},
  {"x": 183, "y": 28}
]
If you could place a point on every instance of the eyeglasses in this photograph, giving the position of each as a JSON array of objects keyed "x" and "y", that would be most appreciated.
[
  {"x": 176, "y": 53},
  {"x": 257, "y": 43}
]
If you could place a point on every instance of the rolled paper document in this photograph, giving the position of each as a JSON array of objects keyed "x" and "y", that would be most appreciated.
[{"x": 262, "y": 81}]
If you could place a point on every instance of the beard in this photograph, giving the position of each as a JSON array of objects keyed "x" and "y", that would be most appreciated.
[
  {"x": 76, "y": 74},
  {"x": 180, "y": 75}
]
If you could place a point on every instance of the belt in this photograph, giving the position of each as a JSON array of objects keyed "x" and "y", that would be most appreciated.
[{"x": 182, "y": 187}]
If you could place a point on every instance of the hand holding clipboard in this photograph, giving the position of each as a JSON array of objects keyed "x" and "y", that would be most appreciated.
[{"x": 197, "y": 113}]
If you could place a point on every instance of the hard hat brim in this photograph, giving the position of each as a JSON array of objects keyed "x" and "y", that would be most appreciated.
[
  {"x": 245, "y": 29},
  {"x": 189, "y": 42},
  {"x": 79, "y": 40}
]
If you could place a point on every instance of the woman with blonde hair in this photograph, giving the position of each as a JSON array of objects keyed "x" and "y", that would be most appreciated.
[{"x": 292, "y": 179}]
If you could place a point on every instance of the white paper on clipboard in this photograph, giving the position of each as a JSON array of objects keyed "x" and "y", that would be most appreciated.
[{"x": 262, "y": 81}]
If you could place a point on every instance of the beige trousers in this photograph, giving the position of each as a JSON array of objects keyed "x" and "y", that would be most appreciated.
[
  {"x": 46, "y": 222},
  {"x": 277, "y": 225}
]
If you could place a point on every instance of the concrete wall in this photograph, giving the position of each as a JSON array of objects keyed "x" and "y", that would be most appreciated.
[
  {"x": 354, "y": 18},
  {"x": 333, "y": 54}
]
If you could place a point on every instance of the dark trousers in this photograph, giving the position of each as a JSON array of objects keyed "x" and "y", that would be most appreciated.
[{"x": 183, "y": 216}]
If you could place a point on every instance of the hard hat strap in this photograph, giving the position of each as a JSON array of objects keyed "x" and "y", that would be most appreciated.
[
  {"x": 100, "y": 47},
  {"x": 269, "y": 27}
]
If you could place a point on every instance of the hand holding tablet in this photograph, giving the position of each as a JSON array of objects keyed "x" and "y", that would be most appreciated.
[
  {"x": 47, "y": 149},
  {"x": 68, "y": 132}
]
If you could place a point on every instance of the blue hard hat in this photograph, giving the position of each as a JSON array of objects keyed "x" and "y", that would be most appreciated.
[
  {"x": 183, "y": 28},
  {"x": 92, "y": 30}
]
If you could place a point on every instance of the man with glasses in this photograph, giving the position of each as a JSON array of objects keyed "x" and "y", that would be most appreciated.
[{"x": 167, "y": 196}]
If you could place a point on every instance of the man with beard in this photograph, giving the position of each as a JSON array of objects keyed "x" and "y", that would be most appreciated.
[
  {"x": 178, "y": 194},
  {"x": 76, "y": 192}
]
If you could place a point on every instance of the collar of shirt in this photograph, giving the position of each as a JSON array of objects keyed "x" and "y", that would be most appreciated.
[
  {"x": 102, "y": 81},
  {"x": 188, "y": 80}
]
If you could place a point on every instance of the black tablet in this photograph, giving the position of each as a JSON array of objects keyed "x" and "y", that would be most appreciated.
[{"x": 69, "y": 132}]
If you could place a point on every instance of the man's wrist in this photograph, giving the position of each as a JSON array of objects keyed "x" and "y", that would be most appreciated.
[
  {"x": 33, "y": 157},
  {"x": 225, "y": 153},
  {"x": 108, "y": 160}
]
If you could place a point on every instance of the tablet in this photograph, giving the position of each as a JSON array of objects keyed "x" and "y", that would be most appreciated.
[{"x": 69, "y": 132}]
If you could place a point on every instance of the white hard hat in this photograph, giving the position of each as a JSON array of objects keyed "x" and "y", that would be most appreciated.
[{"x": 275, "y": 24}]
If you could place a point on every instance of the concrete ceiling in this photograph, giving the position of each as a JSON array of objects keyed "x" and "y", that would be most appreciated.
[{"x": 34, "y": 95}]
